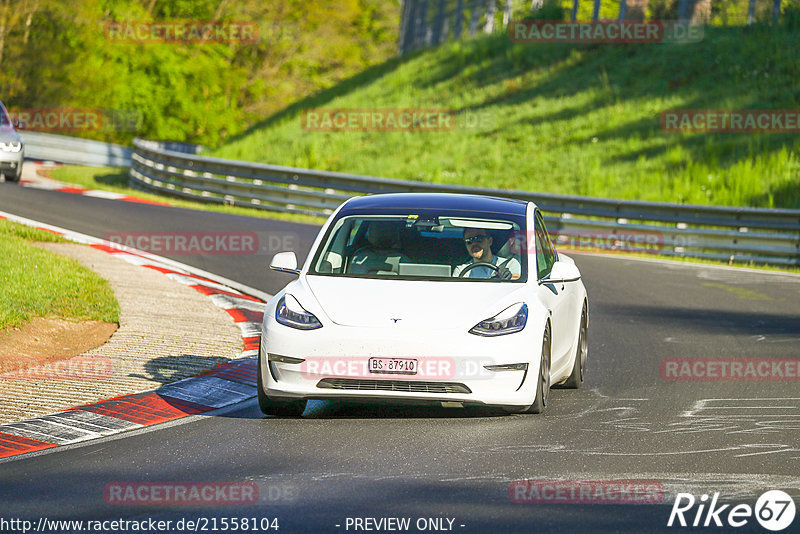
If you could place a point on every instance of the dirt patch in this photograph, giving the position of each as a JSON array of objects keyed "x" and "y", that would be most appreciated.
[
  {"x": 44, "y": 172},
  {"x": 47, "y": 340},
  {"x": 167, "y": 332}
]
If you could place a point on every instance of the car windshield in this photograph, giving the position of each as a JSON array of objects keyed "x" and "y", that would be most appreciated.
[
  {"x": 429, "y": 247},
  {"x": 5, "y": 120}
]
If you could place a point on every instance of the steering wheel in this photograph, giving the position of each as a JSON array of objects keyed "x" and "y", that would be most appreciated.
[{"x": 468, "y": 268}]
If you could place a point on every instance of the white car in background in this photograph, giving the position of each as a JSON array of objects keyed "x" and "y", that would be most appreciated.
[
  {"x": 12, "y": 149},
  {"x": 394, "y": 303}
]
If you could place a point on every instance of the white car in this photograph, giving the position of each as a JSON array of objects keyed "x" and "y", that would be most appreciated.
[
  {"x": 445, "y": 298},
  {"x": 12, "y": 149}
]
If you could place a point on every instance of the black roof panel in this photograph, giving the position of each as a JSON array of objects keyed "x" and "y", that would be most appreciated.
[{"x": 411, "y": 202}]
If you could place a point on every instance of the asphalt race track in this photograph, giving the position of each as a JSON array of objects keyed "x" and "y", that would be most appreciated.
[{"x": 340, "y": 461}]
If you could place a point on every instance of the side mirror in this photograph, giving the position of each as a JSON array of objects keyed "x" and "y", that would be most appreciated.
[
  {"x": 562, "y": 272},
  {"x": 285, "y": 262}
]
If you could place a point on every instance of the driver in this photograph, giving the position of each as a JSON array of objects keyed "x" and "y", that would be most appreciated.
[{"x": 479, "y": 247}]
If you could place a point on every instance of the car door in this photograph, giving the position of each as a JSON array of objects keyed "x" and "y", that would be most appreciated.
[{"x": 556, "y": 297}]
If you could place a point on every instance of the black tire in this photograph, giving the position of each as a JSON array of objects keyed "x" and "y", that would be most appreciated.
[
  {"x": 13, "y": 177},
  {"x": 542, "y": 382},
  {"x": 575, "y": 379},
  {"x": 292, "y": 408}
]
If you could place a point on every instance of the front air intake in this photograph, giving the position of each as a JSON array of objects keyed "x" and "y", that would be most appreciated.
[{"x": 406, "y": 386}]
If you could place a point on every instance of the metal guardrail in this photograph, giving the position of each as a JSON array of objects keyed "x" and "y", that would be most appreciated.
[
  {"x": 74, "y": 150},
  {"x": 174, "y": 146},
  {"x": 769, "y": 236}
]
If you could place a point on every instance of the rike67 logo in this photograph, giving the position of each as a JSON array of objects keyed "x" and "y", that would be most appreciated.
[{"x": 774, "y": 510}]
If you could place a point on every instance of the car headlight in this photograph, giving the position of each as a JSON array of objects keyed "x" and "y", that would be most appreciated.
[
  {"x": 289, "y": 312},
  {"x": 10, "y": 147},
  {"x": 508, "y": 321}
]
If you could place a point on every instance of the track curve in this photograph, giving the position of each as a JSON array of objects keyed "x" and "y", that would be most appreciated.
[{"x": 344, "y": 460}]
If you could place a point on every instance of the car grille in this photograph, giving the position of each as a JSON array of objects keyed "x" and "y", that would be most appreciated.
[{"x": 407, "y": 386}]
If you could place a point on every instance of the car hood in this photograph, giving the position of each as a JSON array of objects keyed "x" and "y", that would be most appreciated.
[
  {"x": 377, "y": 303},
  {"x": 7, "y": 135}
]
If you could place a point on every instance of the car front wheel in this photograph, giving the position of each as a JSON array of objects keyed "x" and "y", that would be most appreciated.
[
  {"x": 292, "y": 408},
  {"x": 543, "y": 380},
  {"x": 575, "y": 379}
]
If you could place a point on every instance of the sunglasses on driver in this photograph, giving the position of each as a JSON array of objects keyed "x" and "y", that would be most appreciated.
[{"x": 474, "y": 239}]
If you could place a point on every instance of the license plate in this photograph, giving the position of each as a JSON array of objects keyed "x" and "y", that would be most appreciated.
[{"x": 393, "y": 366}]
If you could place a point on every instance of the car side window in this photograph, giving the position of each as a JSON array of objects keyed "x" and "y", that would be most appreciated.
[{"x": 545, "y": 252}]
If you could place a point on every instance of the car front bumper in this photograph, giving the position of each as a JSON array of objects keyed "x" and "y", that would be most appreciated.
[
  {"x": 11, "y": 162},
  {"x": 451, "y": 365}
]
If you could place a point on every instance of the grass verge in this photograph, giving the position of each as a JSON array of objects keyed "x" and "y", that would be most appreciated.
[
  {"x": 580, "y": 119},
  {"x": 39, "y": 283}
]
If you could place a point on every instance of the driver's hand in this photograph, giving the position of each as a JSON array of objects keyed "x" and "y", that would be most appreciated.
[{"x": 503, "y": 273}]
